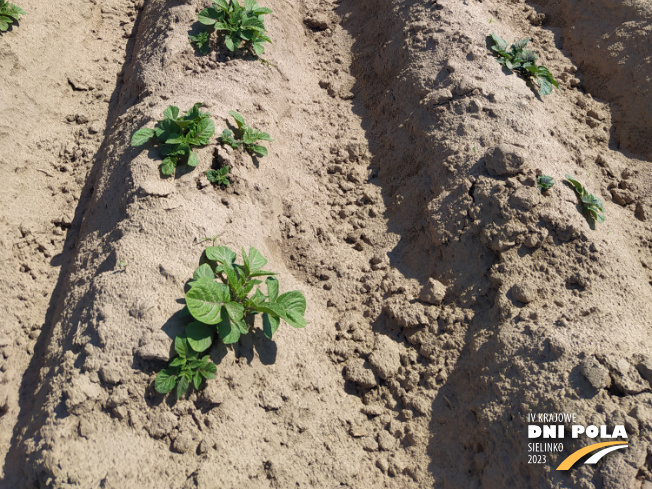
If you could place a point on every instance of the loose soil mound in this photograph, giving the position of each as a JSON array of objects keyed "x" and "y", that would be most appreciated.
[{"x": 447, "y": 296}]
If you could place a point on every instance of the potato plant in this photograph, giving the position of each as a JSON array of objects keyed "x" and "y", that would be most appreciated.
[
  {"x": 248, "y": 136},
  {"x": 175, "y": 136},
  {"x": 9, "y": 13},
  {"x": 219, "y": 176},
  {"x": 523, "y": 62},
  {"x": 223, "y": 303},
  {"x": 591, "y": 206},
  {"x": 237, "y": 25}
]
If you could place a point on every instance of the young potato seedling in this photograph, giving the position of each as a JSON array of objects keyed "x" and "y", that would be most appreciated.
[
  {"x": 591, "y": 205},
  {"x": 219, "y": 177},
  {"x": 523, "y": 62},
  {"x": 544, "y": 182},
  {"x": 223, "y": 303},
  {"x": 249, "y": 135},
  {"x": 184, "y": 370},
  {"x": 236, "y": 23},
  {"x": 9, "y": 13},
  {"x": 176, "y": 135}
]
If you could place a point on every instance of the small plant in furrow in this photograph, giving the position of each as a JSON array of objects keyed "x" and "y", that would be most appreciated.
[
  {"x": 523, "y": 62},
  {"x": 592, "y": 206},
  {"x": 9, "y": 13},
  {"x": 237, "y": 25},
  {"x": 223, "y": 303},
  {"x": 248, "y": 136},
  {"x": 219, "y": 176},
  {"x": 544, "y": 182},
  {"x": 175, "y": 136}
]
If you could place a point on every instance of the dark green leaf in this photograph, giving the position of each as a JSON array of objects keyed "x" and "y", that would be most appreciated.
[
  {"x": 181, "y": 346},
  {"x": 209, "y": 16},
  {"x": 166, "y": 380},
  {"x": 205, "y": 300},
  {"x": 200, "y": 336},
  {"x": 168, "y": 166},
  {"x": 272, "y": 289},
  {"x": 182, "y": 386},
  {"x": 501, "y": 43},
  {"x": 193, "y": 161},
  {"x": 209, "y": 370},
  {"x": 270, "y": 324},
  {"x": 171, "y": 112},
  {"x": 142, "y": 136},
  {"x": 261, "y": 150},
  {"x": 203, "y": 271},
  {"x": 178, "y": 362},
  {"x": 221, "y": 254},
  {"x": 229, "y": 332},
  {"x": 239, "y": 120},
  {"x": 197, "y": 379}
]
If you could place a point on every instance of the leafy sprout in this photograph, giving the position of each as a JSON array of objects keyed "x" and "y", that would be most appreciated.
[
  {"x": 185, "y": 369},
  {"x": 236, "y": 23},
  {"x": 523, "y": 62},
  {"x": 176, "y": 135},
  {"x": 223, "y": 303},
  {"x": 544, "y": 182},
  {"x": 591, "y": 205},
  {"x": 249, "y": 136},
  {"x": 9, "y": 13},
  {"x": 219, "y": 176}
]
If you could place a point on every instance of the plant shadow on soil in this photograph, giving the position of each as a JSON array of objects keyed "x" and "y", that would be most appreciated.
[{"x": 30, "y": 396}]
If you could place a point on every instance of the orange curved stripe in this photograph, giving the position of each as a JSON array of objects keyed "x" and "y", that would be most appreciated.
[{"x": 575, "y": 456}]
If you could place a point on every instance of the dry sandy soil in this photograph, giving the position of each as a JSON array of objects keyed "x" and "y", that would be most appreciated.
[{"x": 447, "y": 296}]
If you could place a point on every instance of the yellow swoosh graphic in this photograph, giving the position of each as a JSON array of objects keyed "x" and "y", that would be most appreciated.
[{"x": 575, "y": 456}]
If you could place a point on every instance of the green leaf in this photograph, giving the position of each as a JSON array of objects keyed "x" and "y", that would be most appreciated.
[
  {"x": 545, "y": 87},
  {"x": 270, "y": 324},
  {"x": 261, "y": 150},
  {"x": 199, "y": 335},
  {"x": 203, "y": 271},
  {"x": 262, "y": 10},
  {"x": 222, "y": 4},
  {"x": 545, "y": 182},
  {"x": 577, "y": 185},
  {"x": 178, "y": 362},
  {"x": 205, "y": 129},
  {"x": 250, "y": 4},
  {"x": 519, "y": 45},
  {"x": 182, "y": 386},
  {"x": 500, "y": 43},
  {"x": 142, "y": 136},
  {"x": 193, "y": 161},
  {"x": 254, "y": 262},
  {"x": 205, "y": 300},
  {"x": 166, "y": 380},
  {"x": 175, "y": 139},
  {"x": 221, "y": 254},
  {"x": 289, "y": 306},
  {"x": 258, "y": 48},
  {"x": 197, "y": 380},
  {"x": 228, "y": 331},
  {"x": 294, "y": 303},
  {"x": 230, "y": 43},
  {"x": 171, "y": 113},
  {"x": 181, "y": 346},
  {"x": 239, "y": 120},
  {"x": 235, "y": 311},
  {"x": 168, "y": 166},
  {"x": 4, "y": 24},
  {"x": 272, "y": 289},
  {"x": 209, "y": 16},
  {"x": 209, "y": 370}
]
